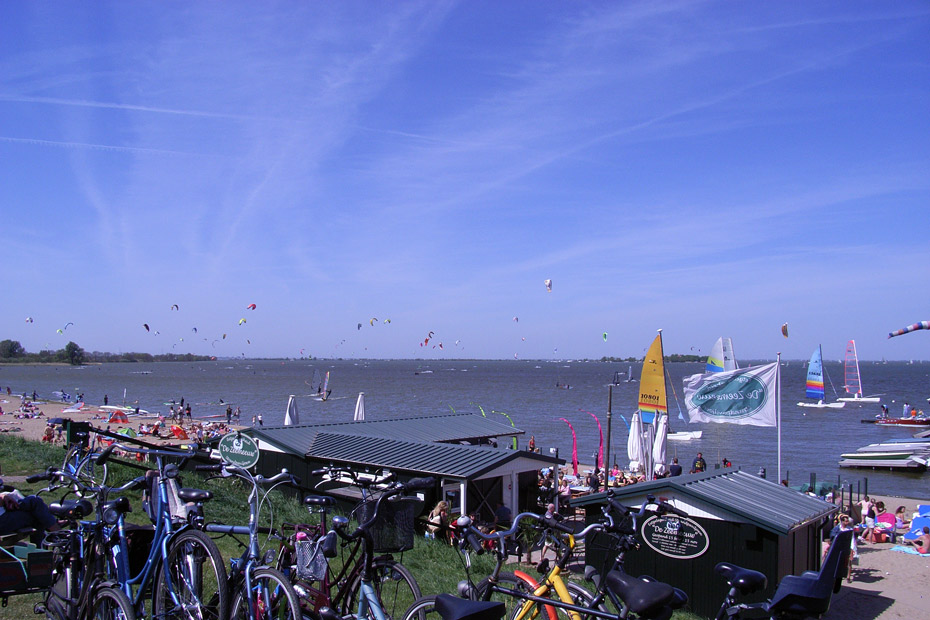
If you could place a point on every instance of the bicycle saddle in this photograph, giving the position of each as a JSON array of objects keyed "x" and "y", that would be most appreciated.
[
  {"x": 744, "y": 580},
  {"x": 194, "y": 495},
  {"x": 454, "y": 608},
  {"x": 120, "y": 505},
  {"x": 319, "y": 500},
  {"x": 71, "y": 509},
  {"x": 642, "y": 597}
]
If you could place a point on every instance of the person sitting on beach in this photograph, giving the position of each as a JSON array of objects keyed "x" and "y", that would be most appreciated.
[
  {"x": 884, "y": 523},
  {"x": 901, "y": 519},
  {"x": 923, "y": 541},
  {"x": 843, "y": 524},
  {"x": 49, "y": 436}
]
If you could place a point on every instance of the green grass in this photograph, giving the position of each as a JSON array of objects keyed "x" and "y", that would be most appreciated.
[{"x": 436, "y": 566}]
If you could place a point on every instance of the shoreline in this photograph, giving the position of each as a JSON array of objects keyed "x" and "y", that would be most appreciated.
[{"x": 887, "y": 585}]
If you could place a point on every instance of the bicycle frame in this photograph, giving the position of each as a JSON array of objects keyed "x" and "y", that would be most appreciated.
[{"x": 165, "y": 533}]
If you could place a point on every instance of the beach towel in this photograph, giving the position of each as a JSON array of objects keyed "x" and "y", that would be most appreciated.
[{"x": 910, "y": 550}]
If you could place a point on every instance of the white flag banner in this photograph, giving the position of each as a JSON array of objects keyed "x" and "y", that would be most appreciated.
[{"x": 742, "y": 396}]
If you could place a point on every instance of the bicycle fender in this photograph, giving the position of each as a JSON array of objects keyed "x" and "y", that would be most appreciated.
[{"x": 533, "y": 585}]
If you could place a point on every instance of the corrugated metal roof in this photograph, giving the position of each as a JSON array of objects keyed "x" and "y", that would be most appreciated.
[
  {"x": 442, "y": 428},
  {"x": 766, "y": 504},
  {"x": 437, "y": 459}
]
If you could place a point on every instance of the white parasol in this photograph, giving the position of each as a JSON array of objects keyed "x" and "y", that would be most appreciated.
[
  {"x": 360, "y": 407},
  {"x": 290, "y": 415},
  {"x": 659, "y": 446}
]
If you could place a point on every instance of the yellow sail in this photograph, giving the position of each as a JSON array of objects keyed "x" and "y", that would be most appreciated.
[{"x": 652, "y": 383}]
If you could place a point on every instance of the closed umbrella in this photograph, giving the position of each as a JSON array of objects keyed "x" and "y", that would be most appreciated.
[
  {"x": 290, "y": 414},
  {"x": 634, "y": 443},
  {"x": 360, "y": 408},
  {"x": 659, "y": 457}
]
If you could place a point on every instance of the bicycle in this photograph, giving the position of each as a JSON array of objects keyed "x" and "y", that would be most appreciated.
[
  {"x": 81, "y": 586},
  {"x": 81, "y": 462},
  {"x": 377, "y": 517},
  {"x": 526, "y": 598},
  {"x": 183, "y": 573},
  {"x": 523, "y": 596},
  {"x": 261, "y": 592},
  {"x": 304, "y": 560}
]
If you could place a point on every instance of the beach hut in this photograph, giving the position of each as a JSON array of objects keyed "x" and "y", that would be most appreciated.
[
  {"x": 732, "y": 517},
  {"x": 455, "y": 449}
]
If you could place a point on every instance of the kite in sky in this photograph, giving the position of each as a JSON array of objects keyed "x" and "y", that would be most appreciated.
[
  {"x": 910, "y": 328},
  {"x": 549, "y": 286},
  {"x": 784, "y": 330},
  {"x": 241, "y": 321},
  {"x": 250, "y": 307},
  {"x": 174, "y": 307},
  {"x": 146, "y": 326}
]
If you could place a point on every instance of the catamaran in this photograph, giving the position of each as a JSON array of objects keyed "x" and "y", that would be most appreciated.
[
  {"x": 652, "y": 394},
  {"x": 721, "y": 358},
  {"x": 852, "y": 381},
  {"x": 815, "y": 383}
]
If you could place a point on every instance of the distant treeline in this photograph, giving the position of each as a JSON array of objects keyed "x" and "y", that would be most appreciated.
[
  {"x": 674, "y": 357},
  {"x": 12, "y": 351}
]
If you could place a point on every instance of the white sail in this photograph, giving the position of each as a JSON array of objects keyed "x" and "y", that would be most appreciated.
[{"x": 721, "y": 358}]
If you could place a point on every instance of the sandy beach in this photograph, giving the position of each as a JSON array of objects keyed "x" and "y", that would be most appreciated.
[
  {"x": 33, "y": 428},
  {"x": 886, "y": 584}
]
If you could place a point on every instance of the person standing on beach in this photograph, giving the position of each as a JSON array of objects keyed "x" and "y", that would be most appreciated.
[
  {"x": 189, "y": 416},
  {"x": 699, "y": 464},
  {"x": 238, "y": 411},
  {"x": 674, "y": 469},
  {"x": 106, "y": 400},
  {"x": 260, "y": 421},
  {"x": 229, "y": 414}
]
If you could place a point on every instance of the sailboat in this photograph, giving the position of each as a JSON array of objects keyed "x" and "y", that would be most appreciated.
[
  {"x": 653, "y": 398},
  {"x": 852, "y": 381},
  {"x": 620, "y": 377},
  {"x": 815, "y": 383},
  {"x": 721, "y": 358}
]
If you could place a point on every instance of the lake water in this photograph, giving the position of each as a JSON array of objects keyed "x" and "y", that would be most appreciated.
[{"x": 812, "y": 439}]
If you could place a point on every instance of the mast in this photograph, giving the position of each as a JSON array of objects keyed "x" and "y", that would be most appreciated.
[{"x": 852, "y": 381}]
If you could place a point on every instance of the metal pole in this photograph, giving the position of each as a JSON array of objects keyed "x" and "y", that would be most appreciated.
[
  {"x": 610, "y": 414},
  {"x": 555, "y": 478},
  {"x": 778, "y": 409}
]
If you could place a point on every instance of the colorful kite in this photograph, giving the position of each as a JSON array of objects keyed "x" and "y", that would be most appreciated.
[
  {"x": 784, "y": 330},
  {"x": 909, "y": 329}
]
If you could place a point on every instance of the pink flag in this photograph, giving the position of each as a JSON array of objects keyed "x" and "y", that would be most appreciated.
[{"x": 600, "y": 448}]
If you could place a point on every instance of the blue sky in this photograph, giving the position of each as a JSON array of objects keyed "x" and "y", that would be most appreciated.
[{"x": 709, "y": 168}]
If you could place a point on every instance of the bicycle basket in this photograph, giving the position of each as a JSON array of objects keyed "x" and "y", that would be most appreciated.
[
  {"x": 393, "y": 530},
  {"x": 311, "y": 563}
]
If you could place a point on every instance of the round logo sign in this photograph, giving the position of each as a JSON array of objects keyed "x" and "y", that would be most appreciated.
[
  {"x": 732, "y": 398},
  {"x": 675, "y": 537},
  {"x": 239, "y": 450}
]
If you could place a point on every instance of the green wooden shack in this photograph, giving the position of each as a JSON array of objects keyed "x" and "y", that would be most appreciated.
[{"x": 733, "y": 517}]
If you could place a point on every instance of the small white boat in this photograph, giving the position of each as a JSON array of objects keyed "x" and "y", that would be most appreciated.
[
  {"x": 899, "y": 459},
  {"x": 822, "y": 405},
  {"x": 685, "y": 435}
]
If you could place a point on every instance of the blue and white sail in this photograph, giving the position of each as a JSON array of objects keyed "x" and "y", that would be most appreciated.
[{"x": 815, "y": 375}]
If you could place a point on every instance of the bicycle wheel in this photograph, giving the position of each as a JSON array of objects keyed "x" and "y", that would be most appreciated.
[
  {"x": 112, "y": 604},
  {"x": 423, "y": 609},
  {"x": 512, "y": 591},
  {"x": 394, "y": 584},
  {"x": 92, "y": 473},
  {"x": 191, "y": 581},
  {"x": 273, "y": 598}
]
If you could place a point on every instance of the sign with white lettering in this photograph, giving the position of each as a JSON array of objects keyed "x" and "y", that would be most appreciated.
[
  {"x": 238, "y": 450},
  {"x": 675, "y": 537}
]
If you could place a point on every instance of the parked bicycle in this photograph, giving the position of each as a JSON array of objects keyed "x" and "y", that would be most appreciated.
[
  {"x": 260, "y": 592},
  {"x": 321, "y": 583},
  {"x": 379, "y": 517},
  {"x": 82, "y": 587},
  {"x": 524, "y": 597},
  {"x": 183, "y": 575},
  {"x": 81, "y": 462}
]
